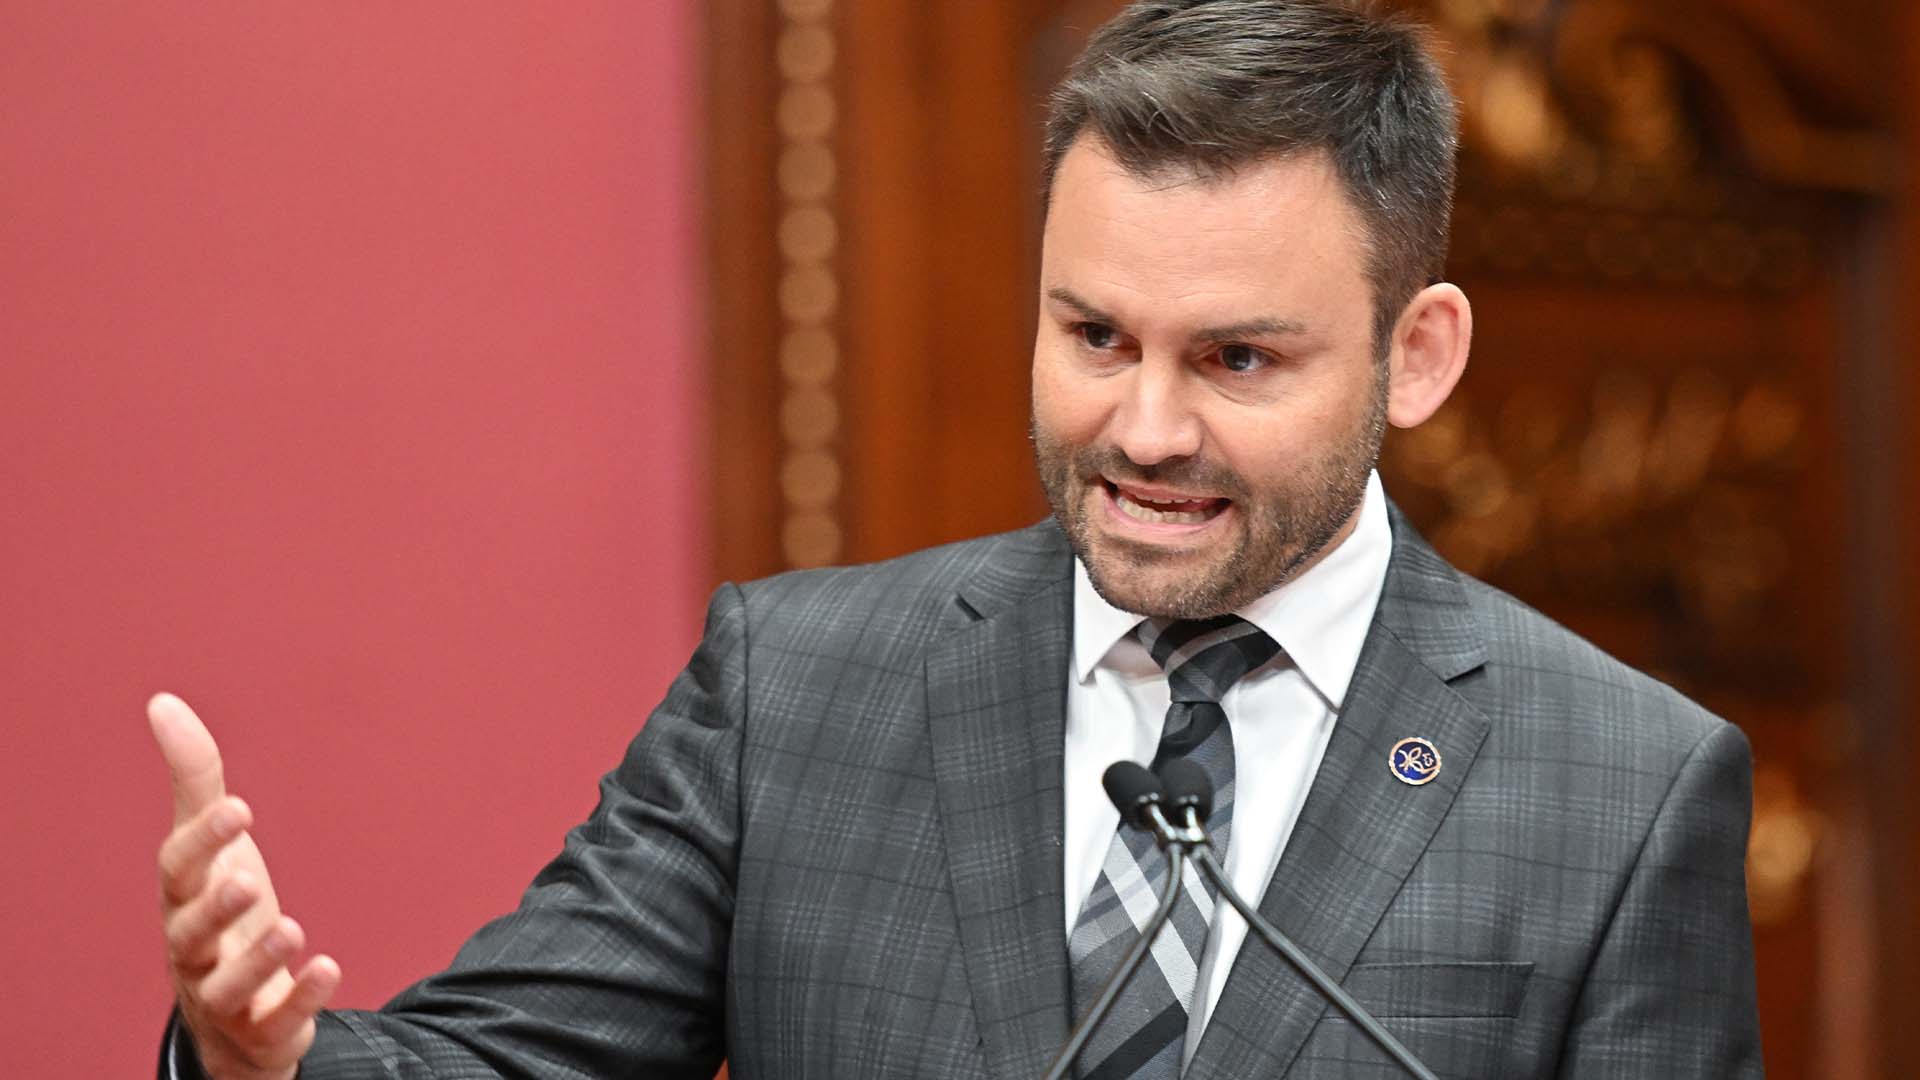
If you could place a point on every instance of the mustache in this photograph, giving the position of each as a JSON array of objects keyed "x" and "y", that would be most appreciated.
[{"x": 1181, "y": 472}]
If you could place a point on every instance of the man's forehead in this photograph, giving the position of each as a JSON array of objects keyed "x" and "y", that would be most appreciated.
[
  {"x": 1266, "y": 252},
  {"x": 1093, "y": 190},
  {"x": 1259, "y": 220}
]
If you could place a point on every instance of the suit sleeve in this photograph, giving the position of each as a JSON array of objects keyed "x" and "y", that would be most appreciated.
[
  {"x": 614, "y": 963},
  {"x": 1671, "y": 992}
]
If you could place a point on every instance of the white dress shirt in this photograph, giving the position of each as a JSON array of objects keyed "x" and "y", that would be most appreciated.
[{"x": 1282, "y": 715}]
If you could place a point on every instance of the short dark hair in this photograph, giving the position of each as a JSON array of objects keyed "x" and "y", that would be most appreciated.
[{"x": 1211, "y": 85}]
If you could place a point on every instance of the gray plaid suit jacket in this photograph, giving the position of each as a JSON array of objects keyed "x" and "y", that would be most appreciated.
[{"x": 834, "y": 852}]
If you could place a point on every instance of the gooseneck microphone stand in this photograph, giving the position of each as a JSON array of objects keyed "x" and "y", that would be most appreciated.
[
  {"x": 1137, "y": 794},
  {"x": 1186, "y": 790}
]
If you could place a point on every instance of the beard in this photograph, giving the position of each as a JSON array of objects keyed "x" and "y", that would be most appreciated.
[{"x": 1280, "y": 528}]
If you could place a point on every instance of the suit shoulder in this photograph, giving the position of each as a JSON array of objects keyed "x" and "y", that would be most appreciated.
[
  {"x": 919, "y": 589},
  {"x": 1564, "y": 682}
]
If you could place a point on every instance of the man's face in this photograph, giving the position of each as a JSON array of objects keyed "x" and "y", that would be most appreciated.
[{"x": 1206, "y": 402}]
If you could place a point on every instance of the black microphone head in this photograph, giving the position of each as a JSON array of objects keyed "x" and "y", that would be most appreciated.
[
  {"x": 1132, "y": 788},
  {"x": 1185, "y": 784}
]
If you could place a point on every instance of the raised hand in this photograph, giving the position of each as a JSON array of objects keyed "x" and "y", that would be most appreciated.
[{"x": 230, "y": 949}]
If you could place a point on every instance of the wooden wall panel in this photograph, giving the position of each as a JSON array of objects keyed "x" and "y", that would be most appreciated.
[
  {"x": 1890, "y": 627},
  {"x": 741, "y": 87},
  {"x": 939, "y": 311}
]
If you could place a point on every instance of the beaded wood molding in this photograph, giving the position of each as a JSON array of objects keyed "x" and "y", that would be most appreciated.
[{"x": 809, "y": 289}]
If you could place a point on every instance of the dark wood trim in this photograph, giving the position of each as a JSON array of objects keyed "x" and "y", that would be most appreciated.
[
  {"x": 743, "y": 380},
  {"x": 937, "y": 257},
  {"x": 1894, "y": 641}
]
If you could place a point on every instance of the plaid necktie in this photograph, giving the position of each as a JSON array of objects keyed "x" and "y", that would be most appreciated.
[{"x": 1144, "y": 1035}]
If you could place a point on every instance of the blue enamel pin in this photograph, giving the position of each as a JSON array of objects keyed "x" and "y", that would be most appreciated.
[{"x": 1414, "y": 761}]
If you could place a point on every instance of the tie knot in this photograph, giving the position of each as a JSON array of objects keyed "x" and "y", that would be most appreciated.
[{"x": 1203, "y": 657}]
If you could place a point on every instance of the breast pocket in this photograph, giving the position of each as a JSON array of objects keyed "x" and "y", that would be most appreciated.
[
  {"x": 1439, "y": 990},
  {"x": 1457, "y": 1018}
]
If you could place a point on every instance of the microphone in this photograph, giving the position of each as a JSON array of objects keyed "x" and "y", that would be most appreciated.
[
  {"x": 1136, "y": 793},
  {"x": 1133, "y": 790},
  {"x": 1184, "y": 788},
  {"x": 1186, "y": 791}
]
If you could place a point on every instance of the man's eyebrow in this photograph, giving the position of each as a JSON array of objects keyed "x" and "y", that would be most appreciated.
[
  {"x": 1251, "y": 328},
  {"x": 1062, "y": 295},
  {"x": 1266, "y": 326}
]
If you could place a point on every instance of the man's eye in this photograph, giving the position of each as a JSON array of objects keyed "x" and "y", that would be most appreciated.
[
  {"x": 1097, "y": 336},
  {"x": 1241, "y": 358}
]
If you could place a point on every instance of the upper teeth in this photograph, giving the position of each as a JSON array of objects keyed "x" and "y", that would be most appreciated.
[{"x": 1133, "y": 508}]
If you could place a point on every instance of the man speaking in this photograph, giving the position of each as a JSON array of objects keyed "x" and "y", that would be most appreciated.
[{"x": 864, "y": 835}]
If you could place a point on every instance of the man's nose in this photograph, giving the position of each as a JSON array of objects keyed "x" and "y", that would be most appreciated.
[{"x": 1155, "y": 421}]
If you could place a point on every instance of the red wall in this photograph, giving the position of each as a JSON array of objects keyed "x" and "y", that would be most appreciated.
[{"x": 348, "y": 388}]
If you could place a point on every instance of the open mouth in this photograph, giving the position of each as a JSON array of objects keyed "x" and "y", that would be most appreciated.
[{"x": 1164, "y": 507}]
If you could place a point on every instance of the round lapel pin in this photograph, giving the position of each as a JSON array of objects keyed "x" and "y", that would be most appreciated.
[{"x": 1414, "y": 761}]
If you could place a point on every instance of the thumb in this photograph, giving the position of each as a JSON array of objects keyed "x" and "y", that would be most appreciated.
[{"x": 192, "y": 758}]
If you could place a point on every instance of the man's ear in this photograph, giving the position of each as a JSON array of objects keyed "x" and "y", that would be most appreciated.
[{"x": 1429, "y": 352}]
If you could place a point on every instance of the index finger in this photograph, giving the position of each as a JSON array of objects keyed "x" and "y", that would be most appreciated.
[{"x": 193, "y": 761}]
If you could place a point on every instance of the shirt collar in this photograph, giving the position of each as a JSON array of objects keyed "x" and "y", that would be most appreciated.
[{"x": 1319, "y": 618}]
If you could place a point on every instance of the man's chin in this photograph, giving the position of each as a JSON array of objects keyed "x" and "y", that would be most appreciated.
[
  {"x": 1153, "y": 580},
  {"x": 1126, "y": 554}
]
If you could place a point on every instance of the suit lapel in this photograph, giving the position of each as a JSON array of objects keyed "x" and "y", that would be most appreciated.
[
  {"x": 996, "y": 702},
  {"x": 1361, "y": 830}
]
